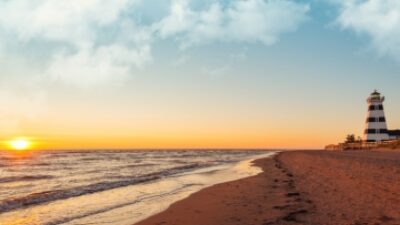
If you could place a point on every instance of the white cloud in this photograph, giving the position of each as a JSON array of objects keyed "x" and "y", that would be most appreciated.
[
  {"x": 98, "y": 42},
  {"x": 91, "y": 66},
  {"x": 240, "y": 21},
  {"x": 71, "y": 21},
  {"x": 378, "y": 19},
  {"x": 180, "y": 19},
  {"x": 93, "y": 42},
  {"x": 75, "y": 30}
]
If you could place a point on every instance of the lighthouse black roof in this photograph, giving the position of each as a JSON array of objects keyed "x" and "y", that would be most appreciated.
[{"x": 375, "y": 93}]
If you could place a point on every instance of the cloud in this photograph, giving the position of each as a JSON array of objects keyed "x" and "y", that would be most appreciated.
[
  {"x": 90, "y": 66},
  {"x": 70, "y": 21},
  {"x": 85, "y": 43},
  {"x": 180, "y": 19},
  {"x": 95, "y": 42},
  {"x": 378, "y": 19},
  {"x": 240, "y": 21},
  {"x": 90, "y": 42}
]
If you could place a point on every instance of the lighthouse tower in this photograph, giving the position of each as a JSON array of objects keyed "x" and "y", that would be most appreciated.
[{"x": 376, "y": 128}]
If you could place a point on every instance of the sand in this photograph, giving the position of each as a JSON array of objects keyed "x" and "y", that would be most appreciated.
[{"x": 302, "y": 187}]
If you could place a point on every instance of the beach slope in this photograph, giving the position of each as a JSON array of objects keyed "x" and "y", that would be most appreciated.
[{"x": 301, "y": 187}]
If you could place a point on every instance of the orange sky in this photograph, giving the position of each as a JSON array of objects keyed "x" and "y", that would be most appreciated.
[
  {"x": 214, "y": 128},
  {"x": 215, "y": 139}
]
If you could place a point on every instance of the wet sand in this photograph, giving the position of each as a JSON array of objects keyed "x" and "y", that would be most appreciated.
[{"x": 301, "y": 187}]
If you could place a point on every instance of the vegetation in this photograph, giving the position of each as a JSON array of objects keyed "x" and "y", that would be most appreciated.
[{"x": 351, "y": 138}]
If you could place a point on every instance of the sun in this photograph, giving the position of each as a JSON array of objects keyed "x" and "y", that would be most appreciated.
[{"x": 20, "y": 144}]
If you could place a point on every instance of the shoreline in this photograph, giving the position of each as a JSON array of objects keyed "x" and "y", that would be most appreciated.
[
  {"x": 116, "y": 203},
  {"x": 299, "y": 187}
]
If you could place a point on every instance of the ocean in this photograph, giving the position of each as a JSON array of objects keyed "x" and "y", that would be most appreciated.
[{"x": 109, "y": 187}]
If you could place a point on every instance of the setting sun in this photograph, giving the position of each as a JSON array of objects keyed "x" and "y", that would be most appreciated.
[{"x": 20, "y": 144}]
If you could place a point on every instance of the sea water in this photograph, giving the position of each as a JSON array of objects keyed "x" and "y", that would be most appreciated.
[{"x": 109, "y": 187}]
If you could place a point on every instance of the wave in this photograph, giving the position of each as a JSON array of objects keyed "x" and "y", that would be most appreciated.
[
  {"x": 24, "y": 178},
  {"x": 139, "y": 165},
  {"x": 99, "y": 211},
  {"x": 49, "y": 196}
]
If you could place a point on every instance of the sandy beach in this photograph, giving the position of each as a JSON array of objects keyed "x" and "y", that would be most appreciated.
[{"x": 301, "y": 187}]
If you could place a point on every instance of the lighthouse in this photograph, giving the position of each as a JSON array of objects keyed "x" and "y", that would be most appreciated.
[{"x": 376, "y": 128}]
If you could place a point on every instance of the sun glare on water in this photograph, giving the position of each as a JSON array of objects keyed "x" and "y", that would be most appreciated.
[{"x": 20, "y": 144}]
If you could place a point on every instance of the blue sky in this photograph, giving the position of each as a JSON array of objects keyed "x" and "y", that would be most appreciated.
[{"x": 191, "y": 73}]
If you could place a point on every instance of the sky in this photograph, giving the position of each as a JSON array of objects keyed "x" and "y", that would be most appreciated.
[{"x": 195, "y": 74}]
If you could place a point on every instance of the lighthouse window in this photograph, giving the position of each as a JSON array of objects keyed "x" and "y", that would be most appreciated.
[
  {"x": 370, "y": 131},
  {"x": 371, "y": 119},
  {"x": 371, "y": 107},
  {"x": 380, "y": 107},
  {"x": 382, "y": 119}
]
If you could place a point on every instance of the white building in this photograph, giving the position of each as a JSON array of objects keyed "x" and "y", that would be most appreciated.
[{"x": 376, "y": 127}]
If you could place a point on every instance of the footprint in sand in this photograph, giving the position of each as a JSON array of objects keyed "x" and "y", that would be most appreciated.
[{"x": 292, "y": 194}]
